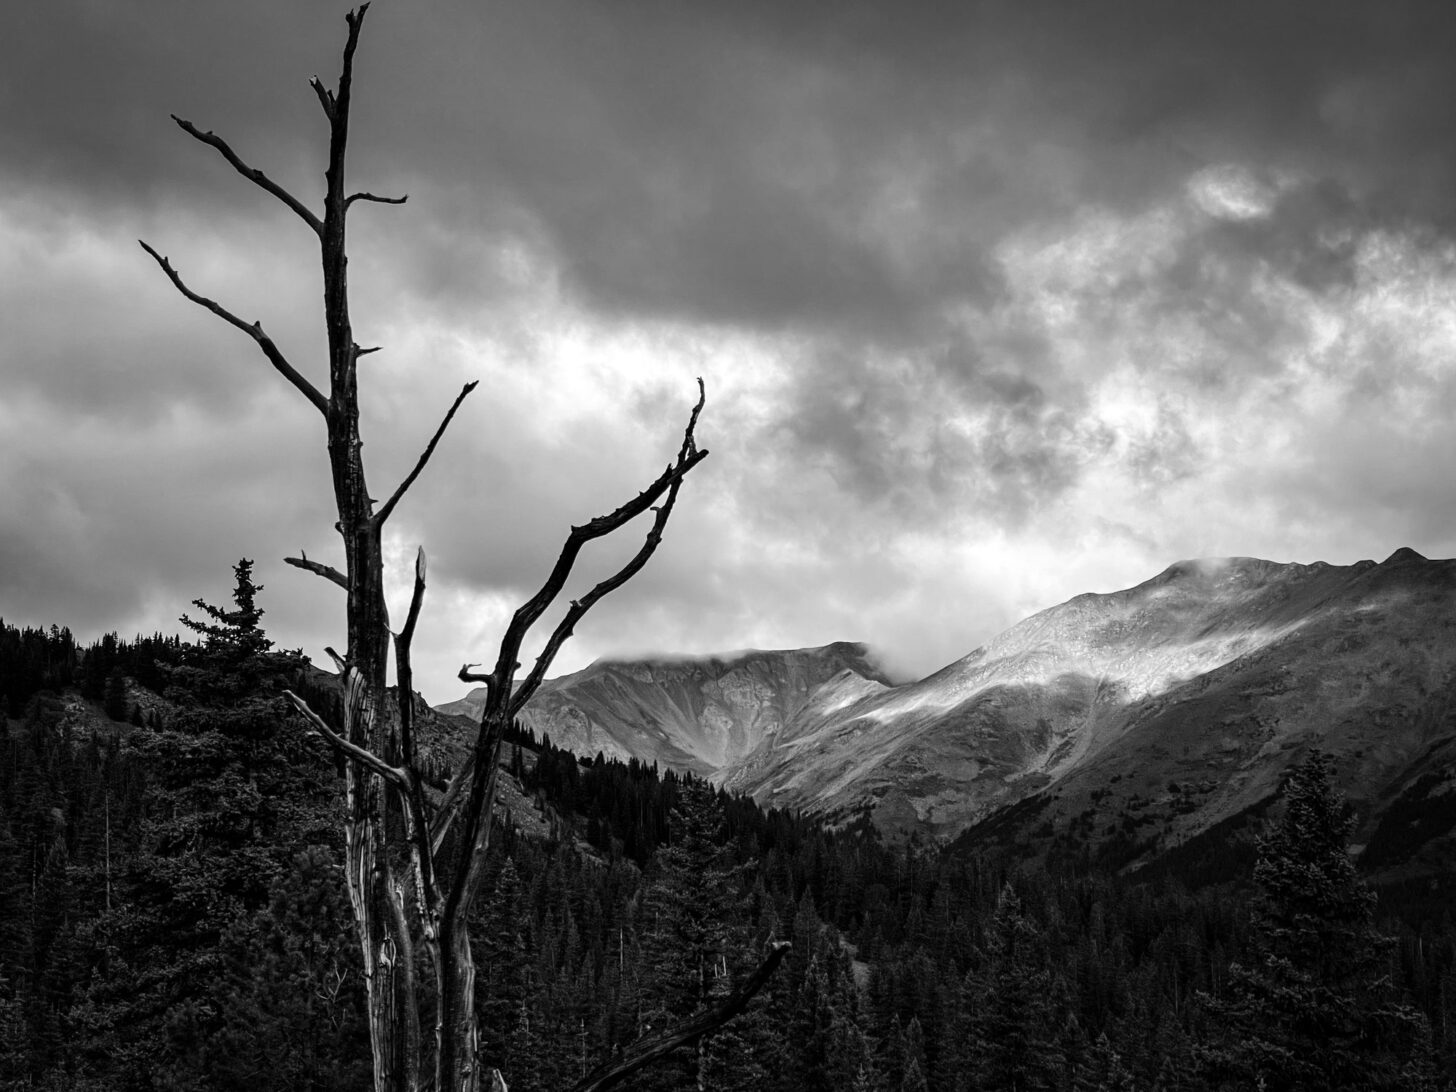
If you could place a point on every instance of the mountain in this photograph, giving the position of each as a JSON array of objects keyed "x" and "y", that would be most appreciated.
[
  {"x": 1159, "y": 711},
  {"x": 703, "y": 714},
  {"x": 1125, "y": 726}
]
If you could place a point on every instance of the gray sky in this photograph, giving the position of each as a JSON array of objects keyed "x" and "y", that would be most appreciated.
[{"x": 996, "y": 303}]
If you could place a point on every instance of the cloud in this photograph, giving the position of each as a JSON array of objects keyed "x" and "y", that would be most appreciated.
[{"x": 995, "y": 303}]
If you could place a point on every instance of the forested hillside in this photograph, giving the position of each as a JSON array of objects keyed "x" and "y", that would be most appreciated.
[{"x": 172, "y": 915}]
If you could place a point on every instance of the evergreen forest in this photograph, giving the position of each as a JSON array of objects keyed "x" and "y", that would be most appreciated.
[{"x": 173, "y": 916}]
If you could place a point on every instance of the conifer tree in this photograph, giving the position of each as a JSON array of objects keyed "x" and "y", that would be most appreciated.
[
  {"x": 1104, "y": 1070},
  {"x": 1014, "y": 1021},
  {"x": 505, "y": 989},
  {"x": 688, "y": 923},
  {"x": 913, "y": 1076},
  {"x": 235, "y": 634},
  {"x": 1314, "y": 1009},
  {"x": 115, "y": 699}
]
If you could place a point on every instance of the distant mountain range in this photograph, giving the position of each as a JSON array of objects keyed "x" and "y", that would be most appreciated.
[{"x": 1132, "y": 723}]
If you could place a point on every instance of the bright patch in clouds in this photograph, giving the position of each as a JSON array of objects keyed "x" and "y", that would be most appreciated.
[{"x": 1231, "y": 192}]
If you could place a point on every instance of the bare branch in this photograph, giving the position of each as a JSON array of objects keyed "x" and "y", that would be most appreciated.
[
  {"x": 690, "y": 443},
  {"x": 339, "y": 661},
  {"x": 388, "y": 508},
  {"x": 254, "y": 331},
  {"x": 449, "y": 806},
  {"x": 340, "y": 100},
  {"x": 474, "y": 812},
  {"x": 648, "y": 1050},
  {"x": 416, "y": 599},
  {"x": 352, "y": 750},
  {"x": 358, "y": 352},
  {"x": 452, "y": 801},
  {"x": 325, "y": 96},
  {"x": 417, "y": 825},
  {"x": 318, "y": 568},
  {"x": 564, "y": 629},
  {"x": 374, "y": 197},
  {"x": 466, "y": 675},
  {"x": 667, "y": 483},
  {"x": 403, "y": 668},
  {"x": 257, "y": 177}
]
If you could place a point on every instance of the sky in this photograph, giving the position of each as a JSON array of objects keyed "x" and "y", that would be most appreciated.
[{"x": 995, "y": 303}]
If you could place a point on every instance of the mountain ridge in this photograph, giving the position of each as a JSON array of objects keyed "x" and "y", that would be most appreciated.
[
  {"x": 698, "y": 713},
  {"x": 1214, "y": 672}
]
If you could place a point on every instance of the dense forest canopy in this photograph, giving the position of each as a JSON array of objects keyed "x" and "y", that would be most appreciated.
[{"x": 172, "y": 915}]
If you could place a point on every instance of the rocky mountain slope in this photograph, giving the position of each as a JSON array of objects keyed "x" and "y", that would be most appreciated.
[
  {"x": 1134, "y": 721},
  {"x": 700, "y": 714}
]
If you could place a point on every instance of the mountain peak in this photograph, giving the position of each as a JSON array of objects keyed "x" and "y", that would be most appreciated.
[
  {"x": 702, "y": 713},
  {"x": 1404, "y": 554}
]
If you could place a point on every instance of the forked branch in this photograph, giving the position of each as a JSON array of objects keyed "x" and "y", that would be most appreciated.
[
  {"x": 449, "y": 806},
  {"x": 579, "y": 607},
  {"x": 502, "y": 704},
  {"x": 253, "y": 330},
  {"x": 668, "y": 482},
  {"x": 252, "y": 174},
  {"x": 648, "y": 1050},
  {"x": 394, "y": 499},
  {"x": 325, "y": 97}
]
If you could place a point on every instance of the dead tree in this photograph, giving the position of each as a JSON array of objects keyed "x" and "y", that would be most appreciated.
[{"x": 415, "y": 853}]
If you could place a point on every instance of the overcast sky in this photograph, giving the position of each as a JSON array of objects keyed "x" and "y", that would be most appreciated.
[{"x": 996, "y": 303}]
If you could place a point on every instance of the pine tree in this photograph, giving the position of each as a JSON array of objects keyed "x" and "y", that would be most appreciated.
[
  {"x": 235, "y": 630},
  {"x": 1104, "y": 1070},
  {"x": 1014, "y": 1025},
  {"x": 115, "y": 696},
  {"x": 1314, "y": 1009},
  {"x": 506, "y": 988},
  {"x": 292, "y": 1016},
  {"x": 689, "y": 928}
]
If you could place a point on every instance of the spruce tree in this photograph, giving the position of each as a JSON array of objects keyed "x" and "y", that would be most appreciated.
[
  {"x": 506, "y": 988},
  {"x": 1014, "y": 1022},
  {"x": 1314, "y": 1009},
  {"x": 688, "y": 927},
  {"x": 1104, "y": 1070},
  {"x": 234, "y": 633},
  {"x": 115, "y": 704}
]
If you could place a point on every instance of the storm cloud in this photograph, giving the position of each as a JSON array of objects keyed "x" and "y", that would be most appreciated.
[{"x": 995, "y": 302}]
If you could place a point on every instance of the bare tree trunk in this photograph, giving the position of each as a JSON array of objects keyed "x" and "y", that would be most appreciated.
[
  {"x": 457, "y": 1035},
  {"x": 405, "y": 900},
  {"x": 378, "y": 910}
]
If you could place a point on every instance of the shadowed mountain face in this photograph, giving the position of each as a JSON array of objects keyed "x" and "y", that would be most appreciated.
[{"x": 1145, "y": 716}]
